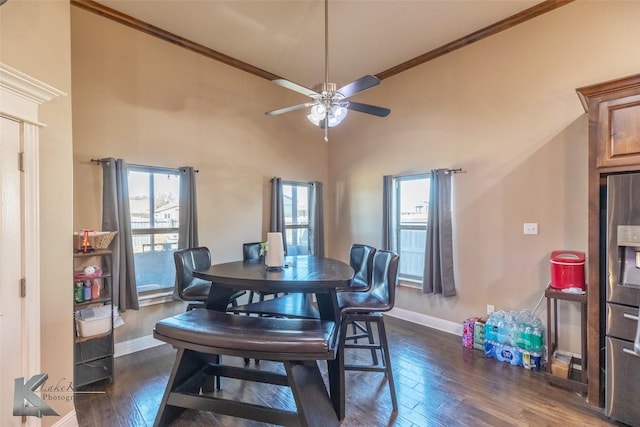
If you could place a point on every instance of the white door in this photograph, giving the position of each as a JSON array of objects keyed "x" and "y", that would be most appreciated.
[{"x": 11, "y": 304}]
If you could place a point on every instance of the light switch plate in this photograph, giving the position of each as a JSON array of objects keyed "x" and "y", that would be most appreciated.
[{"x": 530, "y": 228}]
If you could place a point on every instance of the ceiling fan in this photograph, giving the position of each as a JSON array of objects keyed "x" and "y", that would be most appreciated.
[{"x": 328, "y": 105}]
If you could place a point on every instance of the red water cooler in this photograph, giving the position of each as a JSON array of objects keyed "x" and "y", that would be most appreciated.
[{"x": 567, "y": 270}]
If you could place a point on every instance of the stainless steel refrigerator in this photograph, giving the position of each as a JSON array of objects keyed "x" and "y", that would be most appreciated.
[{"x": 622, "y": 341}]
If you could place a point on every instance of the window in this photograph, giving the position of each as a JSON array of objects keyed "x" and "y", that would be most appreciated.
[
  {"x": 154, "y": 207},
  {"x": 296, "y": 217},
  {"x": 411, "y": 203}
]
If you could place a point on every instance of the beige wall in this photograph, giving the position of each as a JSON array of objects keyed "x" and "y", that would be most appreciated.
[
  {"x": 505, "y": 110},
  {"x": 34, "y": 38},
  {"x": 152, "y": 103}
]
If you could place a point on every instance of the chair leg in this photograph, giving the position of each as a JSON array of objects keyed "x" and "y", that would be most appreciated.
[
  {"x": 387, "y": 362},
  {"x": 374, "y": 355}
]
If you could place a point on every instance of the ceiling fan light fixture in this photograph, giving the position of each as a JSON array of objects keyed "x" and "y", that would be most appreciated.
[
  {"x": 336, "y": 115},
  {"x": 317, "y": 114},
  {"x": 329, "y": 105}
]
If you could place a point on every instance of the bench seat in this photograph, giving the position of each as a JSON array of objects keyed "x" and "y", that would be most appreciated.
[{"x": 201, "y": 335}]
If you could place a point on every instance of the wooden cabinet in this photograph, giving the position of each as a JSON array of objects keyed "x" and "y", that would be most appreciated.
[
  {"x": 614, "y": 120},
  {"x": 93, "y": 318},
  {"x": 614, "y": 146}
]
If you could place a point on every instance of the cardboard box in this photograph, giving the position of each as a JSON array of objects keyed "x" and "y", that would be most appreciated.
[{"x": 560, "y": 364}]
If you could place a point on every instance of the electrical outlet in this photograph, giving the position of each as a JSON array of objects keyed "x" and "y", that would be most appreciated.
[{"x": 490, "y": 308}]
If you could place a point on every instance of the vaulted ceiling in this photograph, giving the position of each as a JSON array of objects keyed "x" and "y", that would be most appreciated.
[{"x": 286, "y": 38}]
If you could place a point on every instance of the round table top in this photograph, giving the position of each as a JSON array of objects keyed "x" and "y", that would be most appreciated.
[{"x": 300, "y": 274}]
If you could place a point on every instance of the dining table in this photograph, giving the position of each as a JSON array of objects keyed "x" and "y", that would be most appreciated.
[{"x": 321, "y": 276}]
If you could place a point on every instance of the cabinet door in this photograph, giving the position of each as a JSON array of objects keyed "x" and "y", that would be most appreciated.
[{"x": 619, "y": 132}]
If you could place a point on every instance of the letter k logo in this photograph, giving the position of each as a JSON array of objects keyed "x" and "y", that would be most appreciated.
[{"x": 25, "y": 391}]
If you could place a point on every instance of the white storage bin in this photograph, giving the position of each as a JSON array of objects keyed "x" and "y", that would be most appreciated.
[{"x": 91, "y": 326}]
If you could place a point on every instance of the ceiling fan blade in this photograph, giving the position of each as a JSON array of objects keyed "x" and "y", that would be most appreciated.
[
  {"x": 296, "y": 87},
  {"x": 368, "y": 109},
  {"x": 357, "y": 86},
  {"x": 291, "y": 108}
]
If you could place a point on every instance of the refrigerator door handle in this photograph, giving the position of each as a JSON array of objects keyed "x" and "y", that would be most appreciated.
[
  {"x": 631, "y": 352},
  {"x": 636, "y": 342},
  {"x": 631, "y": 317}
]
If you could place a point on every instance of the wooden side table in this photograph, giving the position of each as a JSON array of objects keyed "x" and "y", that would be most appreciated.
[{"x": 576, "y": 381}]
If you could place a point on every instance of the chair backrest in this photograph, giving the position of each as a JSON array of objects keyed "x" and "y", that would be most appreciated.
[
  {"x": 361, "y": 260},
  {"x": 186, "y": 261},
  {"x": 385, "y": 278},
  {"x": 250, "y": 251}
]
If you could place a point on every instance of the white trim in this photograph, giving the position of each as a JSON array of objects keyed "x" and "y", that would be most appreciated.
[
  {"x": 136, "y": 344},
  {"x": 31, "y": 249},
  {"x": 26, "y": 86},
  {"x": 20, "y": 96},
  {"x": 425, "y": 320},
  {"x": 69, "y": 420}
]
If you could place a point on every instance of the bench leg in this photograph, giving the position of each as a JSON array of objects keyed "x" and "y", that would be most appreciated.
[
  {"x": 310, "y": 394},
  {"x": 187, "y": 368}
]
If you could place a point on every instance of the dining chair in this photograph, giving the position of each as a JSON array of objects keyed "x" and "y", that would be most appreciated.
[
  {"x": 361, "y": 260},
  {"x": 251, "y": 251},
  {"x": 194, "y": 290},
  {"x": 191, "y": 289},
  {"x": 368, "y": 307}
]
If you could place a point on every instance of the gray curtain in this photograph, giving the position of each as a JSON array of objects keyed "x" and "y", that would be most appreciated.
[
  {"x": 116, "y": 217},
  {"x": 188, "y": 228},
  {"x": 316, "y": 219},
  {"x": 277, "y": 210},
  {"x": 438, "y": 263},
  {"x": 388, "y": 211}
]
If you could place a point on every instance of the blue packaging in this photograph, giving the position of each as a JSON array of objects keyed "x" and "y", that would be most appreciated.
[
  {"x": 490, "y": 349},
  {"x": 535, "y": 361},
  {"x": 504, "y": 353}
]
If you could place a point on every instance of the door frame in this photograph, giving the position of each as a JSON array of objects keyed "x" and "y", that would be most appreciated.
[{"x": 20, "y": 97}]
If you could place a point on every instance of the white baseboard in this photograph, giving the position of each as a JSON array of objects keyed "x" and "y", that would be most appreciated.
[
  {"x": 136, "y": 344},
  {"x": 69, "y": 420},
  {"x": 425, "y": 320}
]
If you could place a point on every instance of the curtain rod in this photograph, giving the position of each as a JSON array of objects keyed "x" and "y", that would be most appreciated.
[
  {"x": 101, "y": 161},
  {"x": 458, "y": 170}
]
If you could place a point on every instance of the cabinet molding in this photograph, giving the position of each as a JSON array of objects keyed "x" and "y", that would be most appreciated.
[{"x": 614, "y": 146}]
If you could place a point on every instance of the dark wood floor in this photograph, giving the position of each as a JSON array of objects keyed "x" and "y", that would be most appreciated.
[{"x": 438, "y": 382}]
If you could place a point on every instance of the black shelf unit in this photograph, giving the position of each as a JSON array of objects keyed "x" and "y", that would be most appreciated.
[{"x": 93, "y": 355}]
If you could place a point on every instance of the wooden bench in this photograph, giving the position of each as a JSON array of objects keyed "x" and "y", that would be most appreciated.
[{"x": 201, "y": 336}]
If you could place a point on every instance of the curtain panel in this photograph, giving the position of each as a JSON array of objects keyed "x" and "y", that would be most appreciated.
[
  {"x": 388, "y": 211},
  {"x": 316, "y": 219},
  {"x": 438, "y": 264},
  {"x": 116, "y": 217},
  {"x": 188, "y": 228}
]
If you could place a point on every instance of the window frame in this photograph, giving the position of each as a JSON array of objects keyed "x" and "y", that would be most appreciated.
[
  {"x": 152, "y": 231},
  {"x": 296, "y": 227},
  {"x": 398, "y": 227}
]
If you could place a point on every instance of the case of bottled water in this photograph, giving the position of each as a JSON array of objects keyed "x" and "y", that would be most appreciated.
[{"x": 515, "y": 337}]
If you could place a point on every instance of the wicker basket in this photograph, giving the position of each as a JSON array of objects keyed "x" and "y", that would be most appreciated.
[{"x": 97, "y": 239}]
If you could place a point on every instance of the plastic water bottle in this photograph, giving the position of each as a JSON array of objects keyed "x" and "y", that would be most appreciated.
[
  {"x": 537, "y": 336},
  {"x": 491, "y": 327}
]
